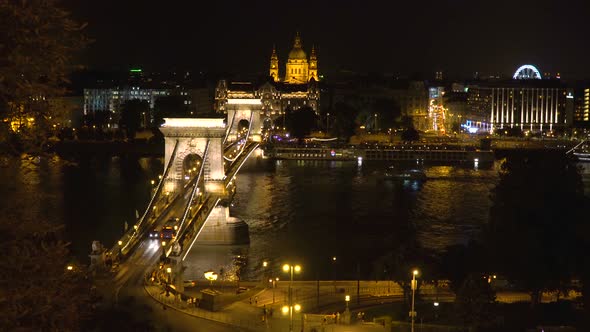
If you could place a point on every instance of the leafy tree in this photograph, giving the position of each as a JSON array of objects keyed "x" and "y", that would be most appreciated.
[
  {"x": 98, "y": 119},
  {"x": 300, "y": 122},
  {"x": 406, "y": 122},
  {"x": 456, "y": 127},
  {"x": 131, "y": 114},
  {"x": 474, "y": 302},
  {"x": 388, "y": 111},
  {"x": 460, "y": 261},
  {"x": 536, "y": 211},
  {"x": 344, "y": 124},
  {"x": 39, "y": 293},
  {"x": 169, "y": 107},
  {"x": 410, "y": 134},
  {"x": 37, "y": 45}
]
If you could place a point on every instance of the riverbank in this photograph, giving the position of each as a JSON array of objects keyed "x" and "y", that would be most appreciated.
[{"x": 139, "y": 148}]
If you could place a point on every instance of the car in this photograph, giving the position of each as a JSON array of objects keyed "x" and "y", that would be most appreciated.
[
  {"x": 241, "y": 290},
  {"x": 169, "y": 229},
  {"x": 154, "y": 233}
]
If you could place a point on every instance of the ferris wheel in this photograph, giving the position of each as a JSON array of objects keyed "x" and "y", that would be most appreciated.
[{"x": 527, "y": 72}]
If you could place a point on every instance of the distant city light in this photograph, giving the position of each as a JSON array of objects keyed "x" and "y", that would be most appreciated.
[{"x": 135, "y": 70}]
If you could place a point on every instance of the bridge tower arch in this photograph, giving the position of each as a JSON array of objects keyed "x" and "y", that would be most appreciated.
[
  {"x": 244, "y": 109},
  {"x": 192, "y": 136}
]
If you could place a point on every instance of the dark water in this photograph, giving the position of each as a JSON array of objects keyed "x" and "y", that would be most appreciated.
[{"x": 302, "y": 212}]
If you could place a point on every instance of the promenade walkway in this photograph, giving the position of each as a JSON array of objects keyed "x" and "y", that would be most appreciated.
[
  {"x": 246, "y": 311},
  {"x": 260, "y": 308}
]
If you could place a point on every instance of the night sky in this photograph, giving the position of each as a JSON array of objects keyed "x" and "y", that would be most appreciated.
[{"x": 458, "y": 37}]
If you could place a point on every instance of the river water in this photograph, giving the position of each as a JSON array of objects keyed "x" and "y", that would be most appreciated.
[{"x": 304, "y": 212}]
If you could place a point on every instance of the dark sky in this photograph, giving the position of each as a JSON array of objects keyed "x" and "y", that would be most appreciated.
[{"x": 458, "y": 37}]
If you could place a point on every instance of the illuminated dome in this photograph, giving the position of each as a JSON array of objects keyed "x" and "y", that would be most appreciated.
[{"x": 297, "y": 54}]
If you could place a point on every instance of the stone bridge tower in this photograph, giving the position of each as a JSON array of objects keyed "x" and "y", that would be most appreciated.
[{"x": 193, "y": 135}]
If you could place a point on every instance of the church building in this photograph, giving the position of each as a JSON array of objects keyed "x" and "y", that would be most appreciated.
[
  {"x": 297, "y": 88},
  {"x": 298, "y": 69}
]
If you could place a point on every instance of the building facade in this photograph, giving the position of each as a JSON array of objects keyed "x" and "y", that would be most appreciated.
[
  {"x": 531, "y": 105},
  {"x": 111, "y": 99},
  {"x": 298, "y": 68},
  {"x": 298, "y": 88}
]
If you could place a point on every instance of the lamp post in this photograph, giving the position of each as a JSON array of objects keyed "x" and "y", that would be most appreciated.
[
  {"x": 289, "y": 310},
  {"x": 291, "y": 268},
  {"x": 273, "y": 282},
  {"x": 169, "y": 271},
  {"x": 414, "y": 286},
  {"x": 163, "y": 249},
  {"x": 264, "y": 270},
  {"x": 436, "y": 304},
  {"x": 334, "y": 272},
  {"x": 120, "y": 243}
]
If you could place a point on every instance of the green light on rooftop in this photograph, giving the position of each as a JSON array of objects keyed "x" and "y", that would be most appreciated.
[{"x": 135, "y": 70}]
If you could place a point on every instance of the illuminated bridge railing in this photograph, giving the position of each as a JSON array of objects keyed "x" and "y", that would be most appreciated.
[
  {"x": 191, "y": 231},
  {"x": 130, "y": 237},
  {"x": 235, "y": 166}
]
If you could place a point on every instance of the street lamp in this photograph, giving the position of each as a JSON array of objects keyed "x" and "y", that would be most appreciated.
[
  {"x": 436, "y": 304},
  {"x": 120, "y": 243},
  {"x": 334, "y": 272},
  {"x": 347, "y": 299},
  {"x": 211, "y": 276},
  {"x": 414, "y": 286},
  {"x": 289, "y": 310},
  {"x": 291, "y": 268},
  {"x": 169, "y": 271}
]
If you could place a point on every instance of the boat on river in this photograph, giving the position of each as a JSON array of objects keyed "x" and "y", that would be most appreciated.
[{"x": 408, "y": 174}]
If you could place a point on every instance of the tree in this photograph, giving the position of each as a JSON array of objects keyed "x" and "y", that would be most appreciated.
[
  {"x": 388, "y": 112},
  {"x": 474, "y": 302},
  {"x": 344, "y": 121},
  {"x": 99, "y": 119},
  {"x": 39, "y": 292},
  {"x": 460, "y": 261},
  {"x": 536, "y": 211},
  {"x": 169, "y": 107},
  {"x": 301, "y": 122},
  {"x": 132, "y": 112},
  {"x": 410, "y": 134},
  {"x": 37, "y": 47}
]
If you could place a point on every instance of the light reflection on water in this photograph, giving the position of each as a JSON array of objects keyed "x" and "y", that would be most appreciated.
[
  {"x": 298, "y": 211},
  {"x": 309, "y": 211}
]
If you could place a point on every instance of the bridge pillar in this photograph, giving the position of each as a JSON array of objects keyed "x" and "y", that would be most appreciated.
[
  {"x": 244, "y": 109},
  {"x": 221, "y": 229},
  {"x": 192, "y": 136}
]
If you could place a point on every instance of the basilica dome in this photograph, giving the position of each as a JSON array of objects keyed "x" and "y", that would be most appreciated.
[{"x": 297, "y": 53}]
